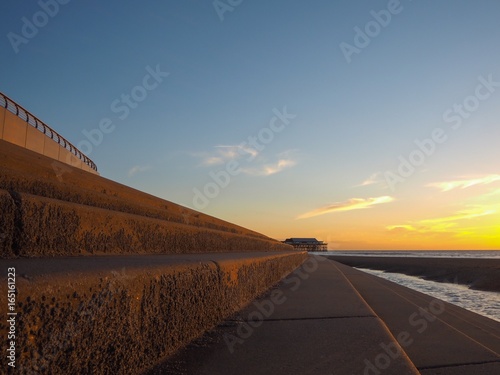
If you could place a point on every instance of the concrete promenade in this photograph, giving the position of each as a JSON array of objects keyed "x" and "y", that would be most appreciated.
[{"x": 328, "y": 318}]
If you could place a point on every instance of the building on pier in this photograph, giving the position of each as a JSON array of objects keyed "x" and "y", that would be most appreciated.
[{"x": 307, "y": 244}]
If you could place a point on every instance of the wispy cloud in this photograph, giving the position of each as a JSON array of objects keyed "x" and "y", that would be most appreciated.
[
  {"x": 441, "y": 224},
  {"x": 270, "y": 169},
  {"x": 375, "y": 178},
  {"x": 242, "y": 150},
  {"x": 402, "y": 227},
  {"x": 138, "y": 169},
  {"x": 209, "y": 160},
  {"x": 465, "y": 183},
  {"x": 279, "y": 166},
  {"x": 462, "y": 215},
  {"x": 351, "y": 204},
  {"x": 251, "y": 162},
  {"x": 225, "y": 153}
]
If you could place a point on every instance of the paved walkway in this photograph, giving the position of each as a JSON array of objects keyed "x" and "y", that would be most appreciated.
[{"x": 327, "y": 318}]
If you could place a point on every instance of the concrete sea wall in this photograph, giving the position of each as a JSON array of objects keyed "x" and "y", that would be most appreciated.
[
  {"x": 124, "y": 319},
  {"x": 36, "y": 226},
  {"x": 111, "y": 280},
  {"x": 54, "y": 210}
]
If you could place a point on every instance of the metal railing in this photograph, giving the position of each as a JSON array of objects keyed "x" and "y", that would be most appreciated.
[{"x": 34, "y": 121}]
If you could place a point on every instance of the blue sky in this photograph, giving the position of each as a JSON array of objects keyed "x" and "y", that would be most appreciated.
[{"x": 229, "y": 73}]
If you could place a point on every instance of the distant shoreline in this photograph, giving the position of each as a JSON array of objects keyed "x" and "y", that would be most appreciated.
[
  {"x": 417, "y": 253},
  {"x": 480, "y": 274}
]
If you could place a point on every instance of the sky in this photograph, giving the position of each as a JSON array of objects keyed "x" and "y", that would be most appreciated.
[{"x": 366, "y": 124}]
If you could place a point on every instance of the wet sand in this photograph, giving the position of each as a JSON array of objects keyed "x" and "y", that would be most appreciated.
[{"x": 480, "y": 274}]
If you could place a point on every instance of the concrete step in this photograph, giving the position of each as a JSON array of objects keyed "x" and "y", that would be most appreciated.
[
  {"x": 51, "y": 209},
  {"x": 123, "y": 314}
]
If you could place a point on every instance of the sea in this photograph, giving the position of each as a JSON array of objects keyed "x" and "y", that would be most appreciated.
[
  {"x": 481, "y": 302},
  {"x": 488, "y": 254}
]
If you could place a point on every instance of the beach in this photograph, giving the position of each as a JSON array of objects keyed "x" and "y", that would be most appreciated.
[{"x": 480, "y": 274}]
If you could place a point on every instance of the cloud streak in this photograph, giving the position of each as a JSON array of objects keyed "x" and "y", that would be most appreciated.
[
  {"x": 465, "y": 183},
  {"x": 372, "y": 180},
  {"x": 270, "y": 169},
  {"x": 226, "y": 153},
  {"x": 462, "y": 215},
  {"x": 138, "y": 169},
  {"x": 351, "y": 204},
  {"x": 258, "y": 165},
  {"x": 441, "y": 224}
]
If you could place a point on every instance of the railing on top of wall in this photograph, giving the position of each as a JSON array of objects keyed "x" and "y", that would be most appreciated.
[{"x": 32, "y": 120}]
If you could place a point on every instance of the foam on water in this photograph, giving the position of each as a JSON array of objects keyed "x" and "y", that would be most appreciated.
[{"x": 480, "y": 302}]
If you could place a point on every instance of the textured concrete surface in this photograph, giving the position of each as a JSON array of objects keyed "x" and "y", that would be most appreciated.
[
  {"x": 478, "y": 273},
  {"x": 7, "y": 224},
  {"x": 313, "y": 322},
  {"x": 122, "y": 314},
  {"x": 328, "y": 318},
  {"x": 475, "y": 369},
  {"x": 54, "y": 228},
  {"x": 2, "y": 121},
  {"x": 60, "y": 210},
  {"x": 294, "y": 347},
  {"x": 441, "y": 336},
  {"x": 116, "y": 314}
]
